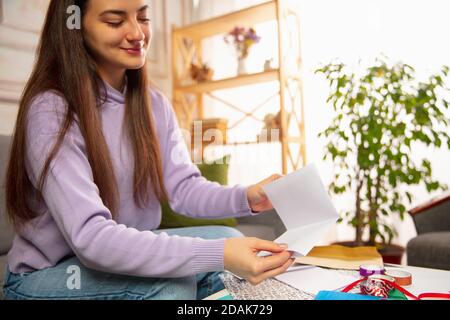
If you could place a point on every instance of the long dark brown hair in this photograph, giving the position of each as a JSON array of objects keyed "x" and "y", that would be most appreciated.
[{"x": 64, "y": 65}]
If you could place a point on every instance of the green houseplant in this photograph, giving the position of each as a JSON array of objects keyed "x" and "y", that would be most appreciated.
[{"x": 382, "y": 114}]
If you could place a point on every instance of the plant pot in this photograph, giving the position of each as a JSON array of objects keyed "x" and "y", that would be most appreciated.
[{"x": 391, "y": 253}]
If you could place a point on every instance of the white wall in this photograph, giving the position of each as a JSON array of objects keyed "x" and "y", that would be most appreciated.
[
  {"x": 20, "y": 22},
  {"x": 415, "y": 32},
  {"x": 174, "y": 17}
]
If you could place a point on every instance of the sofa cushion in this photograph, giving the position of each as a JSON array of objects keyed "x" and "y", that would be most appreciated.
[
  {"x": 6, "y": 233},
  {"x": 430, "y": 250},
  {"x": 217, "y": 172},
  {"x": 2, "y": 274},
  {"x": 433, "y": 219}
]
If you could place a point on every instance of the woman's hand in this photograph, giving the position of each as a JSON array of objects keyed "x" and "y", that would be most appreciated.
[
  {"x": 257, "y": 198},
  {"x": 240, "y": 258}
]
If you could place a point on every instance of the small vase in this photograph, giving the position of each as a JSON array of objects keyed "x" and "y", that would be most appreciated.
[{"x": 242, "y": 66}]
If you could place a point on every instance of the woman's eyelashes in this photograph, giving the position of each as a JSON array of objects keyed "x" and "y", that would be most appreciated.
[
  {"x": 114, "y": 24},
  {"x": 117, "y": 24}
]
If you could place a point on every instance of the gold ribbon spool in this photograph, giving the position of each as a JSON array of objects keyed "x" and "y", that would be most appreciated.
[{"x": 402, "y": 278}]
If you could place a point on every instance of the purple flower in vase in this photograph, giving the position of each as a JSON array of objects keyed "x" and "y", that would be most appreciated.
[{"x": 243, "y": 39}]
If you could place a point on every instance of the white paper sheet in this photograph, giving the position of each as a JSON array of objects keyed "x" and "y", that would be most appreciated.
[
  {"x": 305, "y": 208},
  {"x": 313, "y": 279}
]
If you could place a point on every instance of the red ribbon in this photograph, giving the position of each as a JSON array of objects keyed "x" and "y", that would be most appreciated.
[{"x": 402, "y": 290}]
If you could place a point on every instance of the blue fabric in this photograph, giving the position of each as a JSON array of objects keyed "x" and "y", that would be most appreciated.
[
  {"x": 52, "y": 283},
  {"x": 337, "y": 295}
]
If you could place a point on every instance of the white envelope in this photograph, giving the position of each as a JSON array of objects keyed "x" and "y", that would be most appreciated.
[{"x": 305, "y": 208}]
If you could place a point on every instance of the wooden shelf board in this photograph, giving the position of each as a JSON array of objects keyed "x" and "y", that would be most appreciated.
[
  {"x": 223, "y": 24},
  {"x": 241, "y": 143},
  {"x": 228, "y": 83}
]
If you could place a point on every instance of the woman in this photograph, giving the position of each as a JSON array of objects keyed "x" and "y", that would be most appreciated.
[{"x": 94, "y": 152}]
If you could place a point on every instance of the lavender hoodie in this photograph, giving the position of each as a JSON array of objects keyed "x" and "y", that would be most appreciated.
[{"x": 76, "y": 222}]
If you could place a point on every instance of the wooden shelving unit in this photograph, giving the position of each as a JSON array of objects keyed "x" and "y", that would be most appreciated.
[
  {"x": 188, "y": 98},
  {"x": 230, "y": 83}
]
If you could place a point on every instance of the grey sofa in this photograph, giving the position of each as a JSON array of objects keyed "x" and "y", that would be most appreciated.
[
  {"x": 431, "y": 247},
  {"x": 265, "y": 226},
  {"x": 6, "y": 233}
]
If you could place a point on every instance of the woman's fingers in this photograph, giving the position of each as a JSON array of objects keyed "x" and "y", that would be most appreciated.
[
  {"x": 264, "y": 245},
  {"x": 275, "y": 272},
  {"x": 274, "y": 261},
  {"x": 272, "y": 273},
  {"x": 240, "y": 258}
]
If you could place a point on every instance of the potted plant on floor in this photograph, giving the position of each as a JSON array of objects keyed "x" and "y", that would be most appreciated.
[{"x": 382, "y": 114}]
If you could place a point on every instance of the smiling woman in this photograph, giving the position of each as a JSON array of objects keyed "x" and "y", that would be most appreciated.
[
  {"x": 118, "y": 38},
  {"x": 94, "y": 153}
]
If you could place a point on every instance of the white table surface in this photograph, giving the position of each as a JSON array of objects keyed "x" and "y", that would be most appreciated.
[{"x": 424, "y": 280}]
